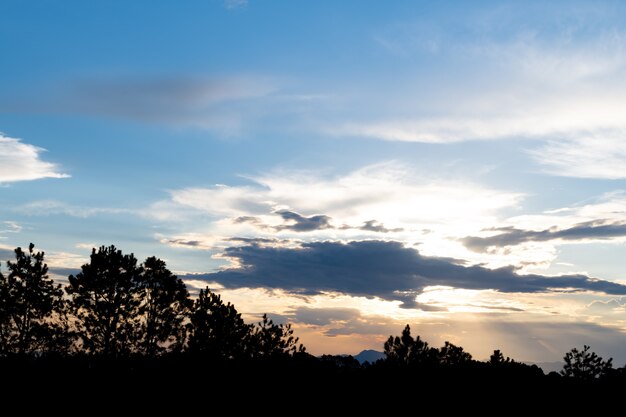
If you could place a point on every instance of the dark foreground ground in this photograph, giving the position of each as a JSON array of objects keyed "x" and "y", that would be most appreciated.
[{"x": 88, "y": 386}]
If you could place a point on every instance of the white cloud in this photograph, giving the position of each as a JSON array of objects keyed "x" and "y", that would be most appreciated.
[
  {"x": 430, "y": 214},
  {"x": 388, "y": 192},
  {"x": 21, "y": 162},
  {"x": 564, "y": 119},
  {"x": 413, "y": 207}
]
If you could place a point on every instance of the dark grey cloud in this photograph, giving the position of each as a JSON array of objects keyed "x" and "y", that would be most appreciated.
[
  {"x": 185, "y": 242},
  {"x": 213, "y": 102},
  {"x": 511, "y": 236},
  {"x": 379, "y": 269},
  {"x": 292, "y": 221},
  {"x": 300, "y": 223},
  {"x": 324, "y": 316},
  {"x": 256, "y": 240},
  {"x": 374, "y": 226},
  {"x": 163, "y": 98},
  {"x": 247, "y": 219}
]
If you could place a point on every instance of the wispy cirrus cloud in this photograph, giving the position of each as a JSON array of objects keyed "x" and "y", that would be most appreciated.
[
  {"x": 600, "y": 155},
  {"x": 558, "y": 82},
  {"x": 21, "y": 161},
  {"x": 55, "y": 207}
]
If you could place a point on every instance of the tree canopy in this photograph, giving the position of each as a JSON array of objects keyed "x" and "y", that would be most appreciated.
[{"x": 30, "y": 305}]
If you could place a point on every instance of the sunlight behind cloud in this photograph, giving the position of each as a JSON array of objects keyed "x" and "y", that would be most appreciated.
[{"x": 411, "y": 206}]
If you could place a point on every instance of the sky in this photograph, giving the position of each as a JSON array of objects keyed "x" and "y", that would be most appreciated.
[{"x": 347, "y": 167}]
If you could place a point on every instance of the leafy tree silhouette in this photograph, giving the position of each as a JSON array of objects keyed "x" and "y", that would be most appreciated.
[
  {"x": 30, "y": 306},
  {"x": 405, "y": 350},
  {"x": 217, "y": 329},
  {"x": 270, "y": 340},
  {"x": 585, "y": 365},
  {"x": 164, "y": 306},
  {"x": 105, "y": 299}
]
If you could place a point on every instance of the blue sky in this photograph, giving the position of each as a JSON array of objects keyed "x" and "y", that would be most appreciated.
[{"x": 291, "y": 153}]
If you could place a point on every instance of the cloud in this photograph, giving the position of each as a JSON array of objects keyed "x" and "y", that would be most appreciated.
[
  {"x": 397, "y": 196},
  {"x": 592, "y": 230},
  {"x": 598, "y": 155},
  {"x": 386, "y": 199},
  {"x": 223, "y": 104},
  {"x": 298, "y": 223},
  {"x": 374, "y": 226},
  {"x": 235, "y": 4},
  {"x": 21, "y": 162},
  {"x": 11, "y": 227},
  {"x": 211, "y": 103},
  {"x": 559, "y": 83},
  {"x": 292, "y": 221},
  {"x": 555, "y": 82},
  {"x": 387, "y": 270},
  {"x": 602, "y": 308},
  {"x": 54, "y": 207},
  {"x": 325, "y": 316},
  {"x": 301, "y": 223},
  {"x": 6, "y": 254},
  {"x": 184, "y": 242}
]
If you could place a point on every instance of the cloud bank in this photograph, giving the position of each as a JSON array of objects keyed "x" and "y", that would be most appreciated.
[{"x": 386, "y": 270}]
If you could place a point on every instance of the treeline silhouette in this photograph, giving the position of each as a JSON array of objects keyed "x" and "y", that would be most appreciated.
[
  {"x": 135, "y": 323},
  {"x": 117, "y": 308}
]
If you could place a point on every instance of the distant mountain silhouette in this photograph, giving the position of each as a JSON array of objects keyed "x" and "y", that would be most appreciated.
[
  {"x": 548, "y": 366},
  {"x": 369, "y": 355}
]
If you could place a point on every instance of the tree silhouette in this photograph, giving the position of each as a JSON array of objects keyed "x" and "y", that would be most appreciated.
[
  {"x": 497, "y": 359},
  {"x": 105, "y": 299},
  {"x": 217, "y": 329},
  {"x": 405, "y": 350},
  {"x": 164, "y": 305},
  {"x": 270, "y": 340},
  {"x": 452, "y": 355},
  {"x": 31, "y": 304},
  {"x": 585, "y": 365}
]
